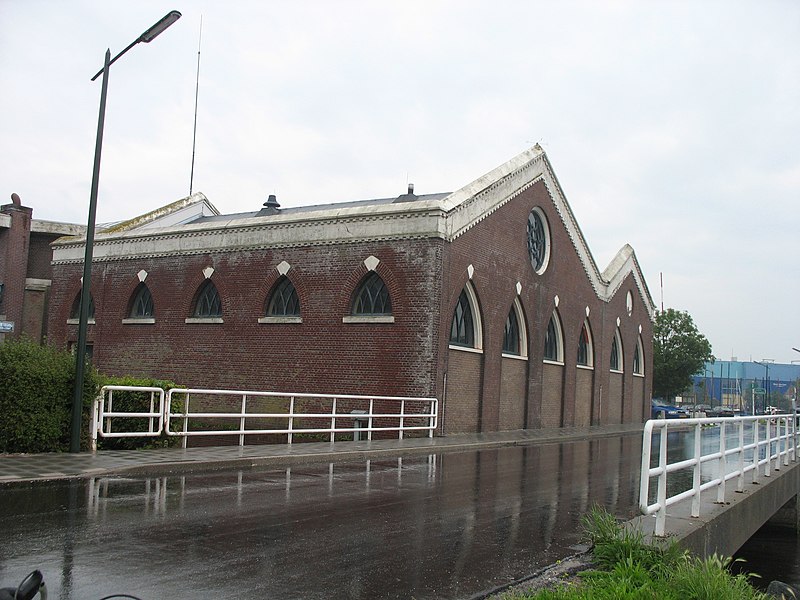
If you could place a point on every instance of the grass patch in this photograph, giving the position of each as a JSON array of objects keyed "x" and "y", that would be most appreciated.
[{"x": 628, "y": 568}]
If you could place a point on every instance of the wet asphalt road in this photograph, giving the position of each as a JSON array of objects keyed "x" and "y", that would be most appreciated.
[{"x": 441, "y": 526}]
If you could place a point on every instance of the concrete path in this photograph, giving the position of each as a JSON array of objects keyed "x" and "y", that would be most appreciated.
[{"x": 39, "y": 467}]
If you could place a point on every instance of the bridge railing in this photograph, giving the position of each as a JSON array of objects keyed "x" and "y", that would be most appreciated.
[{"x": 723, "y": 449}]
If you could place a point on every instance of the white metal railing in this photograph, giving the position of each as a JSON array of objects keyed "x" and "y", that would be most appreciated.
[
  {"x": 285, "y": 414},
  {"x": 292, "y": 414},
  {"x": 745, "y": 444},
  {"x": 103, "y": 413}
]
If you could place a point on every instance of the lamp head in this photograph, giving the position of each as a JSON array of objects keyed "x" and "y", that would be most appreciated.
[{"x": 167, "y": 20}]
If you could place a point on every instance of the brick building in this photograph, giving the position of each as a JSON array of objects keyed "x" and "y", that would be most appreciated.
[
  {"x": 25, "y": 269},
  {"x": 487, "y": 298}
]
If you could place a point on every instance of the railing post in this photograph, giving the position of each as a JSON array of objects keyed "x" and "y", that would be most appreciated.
[
  {"x": 93, "y": 423},
  {"x": 369, "y": 421},
  {"x": 333, "y": 421},
  {"x": 768, "y": 452},
  {"x": 723, "y": 464},
  {"x": 432, "y": 418},
  {"x": 644, "y": 476},
  {"x": 150, "y": 418},
  {"x": 185, "y": 421},
  {"x": 402, "y": 417},
  {"x": 740, "y": 479},
  {"x": 291, "y": 419},
  {"x": 786, "y": 442},
  {"x": 110, "y": 409},
  {"x": 698, "y": 450},
  {"x": 661, "y": 515},
  {"x": 756, "y": 452},
  {"x": 242, "y": 419}
]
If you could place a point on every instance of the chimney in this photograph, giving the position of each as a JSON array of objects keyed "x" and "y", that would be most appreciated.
[{"x": 409, "y": 196}]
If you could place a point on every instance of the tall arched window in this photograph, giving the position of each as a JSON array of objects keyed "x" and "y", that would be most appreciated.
[
  {"x": 283, "y": 302},
  {"x": 553, "y": 344},
  {"x": 372, "y": 297},
  {"x": 616, "y": 352},
  {"x": 638, "y": 358},
  {"x": 208, "y": 302},
  {"x": 515, "y": 335},
  {"x": 142, "y": 303},
  {"x": 511, "y": 334},
  {"x": 585, "y": 347},
  {"x": 75, "y": 311},
  {"x": 465, "y": 328}
]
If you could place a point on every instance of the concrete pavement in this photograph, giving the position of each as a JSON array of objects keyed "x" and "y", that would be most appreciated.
[{"x": 161, "y": 461}]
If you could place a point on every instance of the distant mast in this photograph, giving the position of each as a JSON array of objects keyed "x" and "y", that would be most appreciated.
[
  {"x": 661, "y": 277},
  {"x": 196, "y": 94}
]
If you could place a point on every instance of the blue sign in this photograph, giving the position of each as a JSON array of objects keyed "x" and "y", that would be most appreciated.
[{"x": 6, "y": 326}]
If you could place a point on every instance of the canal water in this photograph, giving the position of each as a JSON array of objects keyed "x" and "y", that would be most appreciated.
[{"x": 774, "y": 553}]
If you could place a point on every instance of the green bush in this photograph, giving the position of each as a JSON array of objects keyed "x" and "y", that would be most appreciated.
[
  {"x": 128, "y": 401},
  {"x": 36, "y": 389}
]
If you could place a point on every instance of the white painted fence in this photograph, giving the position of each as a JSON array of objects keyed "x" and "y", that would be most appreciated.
[{"x": 205, "y": 412}]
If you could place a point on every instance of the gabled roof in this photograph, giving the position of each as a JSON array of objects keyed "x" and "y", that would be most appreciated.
[
  {"x": 445, "y": 216},
  {"x": 477, "y": 200}
]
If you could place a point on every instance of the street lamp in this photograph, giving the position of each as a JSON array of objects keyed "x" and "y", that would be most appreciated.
[{"x": 80, "y": 354}]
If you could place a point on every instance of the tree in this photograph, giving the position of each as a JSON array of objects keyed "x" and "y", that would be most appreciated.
[{"x": 679, "y": 351}]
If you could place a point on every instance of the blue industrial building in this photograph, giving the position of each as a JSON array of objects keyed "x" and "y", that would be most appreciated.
[{"x": 745, "y": 385}]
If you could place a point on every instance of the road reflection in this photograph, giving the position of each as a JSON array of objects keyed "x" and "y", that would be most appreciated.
[{"x": 438, "y": 526}]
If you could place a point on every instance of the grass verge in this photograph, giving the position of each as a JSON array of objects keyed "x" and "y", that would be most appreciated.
[{"x": 627, "y": 568}]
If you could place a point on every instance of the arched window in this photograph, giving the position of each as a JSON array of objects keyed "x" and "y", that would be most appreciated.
[
  {"x": 208, "y": 302},
  {"x": 511, "y": 334},
  {"x": 372, "y": 297},
  {"x": 75, "y": 311},
  {"x": 585, "y": 347},
  {"x": 142, "y": 303},
  {"x": 553, "y": 345},
  {"x": 284, "y": 301},
  {"x": 515, "y": 342},
  {"x": 616, "y": 352},
  {"x": 638, "y": 358},
  {"x": 462, "y": 329},
  {"x": 465, "y": 328}
]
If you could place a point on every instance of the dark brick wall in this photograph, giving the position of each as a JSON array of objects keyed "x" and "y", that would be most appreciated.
[
  {"x": 40, "y": 255},
  {"x": 512, "y": 394},
  {"x": 14, "y": 245},
  {"x": 552, "y": 394},
  {"x": 613, "y": 399},
  {"x": 33, "y": 314},
  {"x": 462, "y": 402},
  {"x": 321, "y": 354},
  {"x": 583, "y": 397},
  {"x": 497, "y": 249}
]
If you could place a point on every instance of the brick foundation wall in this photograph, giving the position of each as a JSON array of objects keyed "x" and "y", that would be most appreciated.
[
  {"x": 614, "y": 399},
  {"x": 638, "y": 401},
  {"x": 552, "y": 391},
  {"x": 583, "y": 397},
  {"x": 512, "y": 394},
  {"x": 462, "y": 401}
]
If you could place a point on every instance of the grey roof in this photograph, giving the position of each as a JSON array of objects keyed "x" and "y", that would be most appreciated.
[{"x": 299, "y": 210}]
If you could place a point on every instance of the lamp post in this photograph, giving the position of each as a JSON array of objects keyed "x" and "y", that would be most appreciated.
[
  {"x": 83, "y": 321},
  {"x": 764, "y": 364}
]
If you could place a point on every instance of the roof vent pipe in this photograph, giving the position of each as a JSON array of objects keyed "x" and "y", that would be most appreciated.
[{"x": 272, "y": 202}]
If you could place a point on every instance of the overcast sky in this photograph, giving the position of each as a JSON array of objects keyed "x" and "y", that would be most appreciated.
[{"x": 672, "y": 126}]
